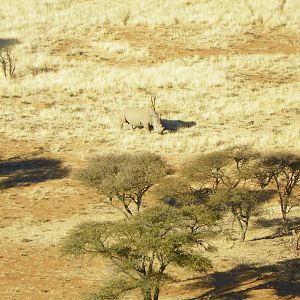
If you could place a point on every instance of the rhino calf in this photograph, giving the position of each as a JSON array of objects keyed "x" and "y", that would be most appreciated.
[{"x": 145, "y": 117}]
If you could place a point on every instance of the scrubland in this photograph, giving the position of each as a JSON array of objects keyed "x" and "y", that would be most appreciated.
[{"x": 224, "y": 73}]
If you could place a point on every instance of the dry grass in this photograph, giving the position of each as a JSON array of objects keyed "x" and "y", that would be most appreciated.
[
  {"x": 230, "y": 68},
  {"x": 220, "y": 66}
]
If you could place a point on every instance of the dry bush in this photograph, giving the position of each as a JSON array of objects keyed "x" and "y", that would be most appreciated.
[{"x": 8, "y": 63}]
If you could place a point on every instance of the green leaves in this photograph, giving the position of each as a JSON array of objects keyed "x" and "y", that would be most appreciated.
[
  {"x": 87, "y": 238},
  {"x": 114, "y": 290},
  {"x": 143, "y": 246},
  {"x": 193, "y": 261}
]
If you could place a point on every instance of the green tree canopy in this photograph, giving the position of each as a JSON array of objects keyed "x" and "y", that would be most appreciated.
[{"x": 143, "y": 247}]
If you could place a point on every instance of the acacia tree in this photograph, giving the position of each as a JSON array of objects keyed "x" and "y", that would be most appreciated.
[
  {"x": 229, "y": 168},
  {"x": 227, "y": 174},
  {"x": 282, "y": 169},
  {"x": 207, "y": 170},
  {"x": 242, "y": 203},
  {"x": 124, "y": 178},
  {"x": 142, "y": 248}
]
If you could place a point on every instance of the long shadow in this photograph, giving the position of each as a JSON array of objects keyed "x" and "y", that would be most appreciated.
[
  {"x": 22, "y": 172},
  {"x": 4, "y": 43},
  {"x": 174, "y": 125},
  {"x": 293, "y": 224},
  {"x": 266, "y": 223},
  {"x": 237, "y": 284}
]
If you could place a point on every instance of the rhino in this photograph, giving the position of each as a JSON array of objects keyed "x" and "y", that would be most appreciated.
[{"x": 145, "y": 117}]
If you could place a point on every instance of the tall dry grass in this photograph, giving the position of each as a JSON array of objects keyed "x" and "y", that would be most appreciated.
[{"x": 75, "y": 74}]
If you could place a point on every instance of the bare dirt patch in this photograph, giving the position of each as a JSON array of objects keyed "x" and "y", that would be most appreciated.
[
  {"x": 269, "y": 77},
  {"x": 38, "y": 272},
  {"x": 175, "y": 42}
]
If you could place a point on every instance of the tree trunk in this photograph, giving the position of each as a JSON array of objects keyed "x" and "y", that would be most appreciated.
[
  {"x": 156, "y": 293},
  {"x": 284, "y": 200},
  {"x": 127, "y": 209},
  {"x": 283, "y": 206},
  {"x": 147, "y": 294},
  {"x": 284, "y": 216},
  {"x": 243, "y": 235},
  {"x": 139, "y": 203},
  {"x": 242, "y": 229}
]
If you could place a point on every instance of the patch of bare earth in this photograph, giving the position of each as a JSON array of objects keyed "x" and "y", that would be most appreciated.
[
  {"x": 268, "y": 77},
  {"x": 174, "y": 42},
  {"x": 32, "y": 272},
  {"x": 36, "y": 211}
]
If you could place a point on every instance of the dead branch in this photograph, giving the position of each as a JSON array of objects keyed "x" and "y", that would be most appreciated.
[{"x": 153, "y": 102}]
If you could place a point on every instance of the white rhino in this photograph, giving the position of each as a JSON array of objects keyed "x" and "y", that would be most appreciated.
[{"x": 145, "y": 117}]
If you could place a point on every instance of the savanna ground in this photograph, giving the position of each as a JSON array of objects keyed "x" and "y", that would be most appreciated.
[{"x": 224, "y": 72}]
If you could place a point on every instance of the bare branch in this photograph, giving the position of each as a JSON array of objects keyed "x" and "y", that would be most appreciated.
[{"x": 153, "y": 102}]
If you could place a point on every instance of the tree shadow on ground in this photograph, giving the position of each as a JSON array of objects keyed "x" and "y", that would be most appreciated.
[
  {"x": 267, "y": 223},
  {"x": 238, "y": 283},
  {"x": 23, "y": 172},
  {"x": 174, "y": 125},
  {"x": 280, "y": 230},
  {"x": 5, "y": 43}
]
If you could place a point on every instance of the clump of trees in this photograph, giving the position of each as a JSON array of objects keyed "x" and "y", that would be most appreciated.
[
  {"x": 234, "y": 175},
  {"x": 147, "y": 242},
  {"x": 143, "y": 248},
  {"x": 228, "y": 175}
]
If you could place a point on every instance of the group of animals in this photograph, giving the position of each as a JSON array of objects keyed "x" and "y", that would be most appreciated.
[{"x": 142, "y": 117}]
